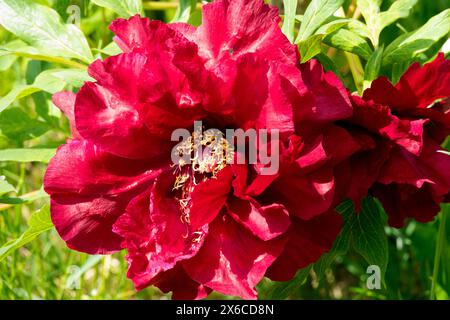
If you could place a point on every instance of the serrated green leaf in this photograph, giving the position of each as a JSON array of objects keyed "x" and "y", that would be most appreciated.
[
  {"x": 27, "y": 155},
  {"x": 184, "y": 10},
  {"x": 124, "y": 8},
  {"x": 315, "y": 15},
  {"x": 310, "y": 48},
  {"x": 42, "y": 28},
  {"x": 349, "y": 41},
  {"x": 40, "y": 222},
  {"x": 5, "y": 186},
  {"x": 373, "y": 66},
  {"x": 290, "y": 8},
  {"x": 408, "y": 46}
]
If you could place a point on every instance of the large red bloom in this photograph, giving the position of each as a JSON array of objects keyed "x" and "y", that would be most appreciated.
[
  {"x": 404, "y": 165},
  {"x": 190, "y": 231}
]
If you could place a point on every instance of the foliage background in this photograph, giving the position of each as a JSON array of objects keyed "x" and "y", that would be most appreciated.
[{"x": 417, "y": 256}]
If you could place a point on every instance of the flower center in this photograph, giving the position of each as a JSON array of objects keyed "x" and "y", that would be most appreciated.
[{"x": 201, "y": 157}]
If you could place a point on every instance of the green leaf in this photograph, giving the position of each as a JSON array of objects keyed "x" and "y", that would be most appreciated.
[
  {"x": 370, "y": 10},
  {"x": 40, "y": 222},
  {"x": 27, "y": 198},
  {"x": 124, "y": 8},
  {"x": 333, "y": 25},
  {"x": 111, "y": 49},
  {"x": 50, "y": 81},
  {"x": 290, "y": 8},
  {"x": 282, "y": 290},
  {"x": 17, "y": 125},
  {"x": 310, "y": 47},
  {"x": 349, "y": 41},
  {"x": 6, "y": 61},
  {"x": 340, "y": 246},
  {"x": 408, "y": 46},
  {"x": 15, "y": 46},
  {"x": 72, "y": 77},
  {"x": 27, "y": 155},
  {"x": 368, "y": 236},
  {"x": 359, "y": 28},
  {"x": 42, "y": 28},
  {"x": 373, "y": 67},
  {"x": 399, "y": 9},
  {"x": 16, "y": 93},
  {"x": 184, "y": 10},
  {"x": 398, "y": 69},
  {"x": 363, "y": 231},
  {"x": 376, "y": 21},
  {"x": 441, "y": 294},
  {"x": 315, "y": 15},
  {"x": 328, "y": 64},
  {"x": 5, "y": 186}
]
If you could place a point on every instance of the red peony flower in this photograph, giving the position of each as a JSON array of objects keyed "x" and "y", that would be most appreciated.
[
  {"x": 403, "y": 127},
  {"x": 209, "y": 225}
]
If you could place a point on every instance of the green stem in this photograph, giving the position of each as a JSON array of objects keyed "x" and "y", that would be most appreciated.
[
  {"x": 21, "y": 177},
  {"x": 437, "y": 257},
  {"x": 356, "y": 69},
  {"x": 58, "y": 60}
]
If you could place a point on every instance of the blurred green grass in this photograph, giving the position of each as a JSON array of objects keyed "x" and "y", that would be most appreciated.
[{"x": 47, "y": 269}]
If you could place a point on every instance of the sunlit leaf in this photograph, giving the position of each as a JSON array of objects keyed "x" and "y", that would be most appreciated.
[
  {"x": 27, "y": 155},
  {"x": 40, "y": 222},
  {"x": 311, "y": 47},
  {"x": 290, "y": 8},
  {"x": 399, "y": 9},
  {"x": 124, "y": 8},
  {"x": 42, "y": 28},
  {"x": 184, "y": 10},
  {"x": 5, "y": 186},
  {"x": 349, "y": 41},
  {"x": 409, "y": 45},
  {"x": 316, "y": 14},
  {"x": 50, "y": 81}
]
